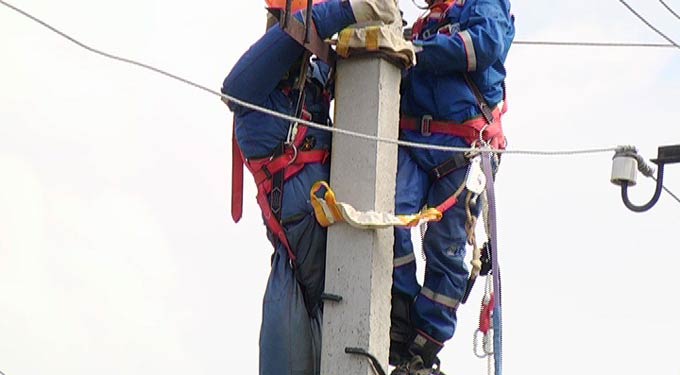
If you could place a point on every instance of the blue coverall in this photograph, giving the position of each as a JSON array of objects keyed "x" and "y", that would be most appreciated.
[
  {"x": 290, "y": 335},
  {"x": 482, "y": 32}
]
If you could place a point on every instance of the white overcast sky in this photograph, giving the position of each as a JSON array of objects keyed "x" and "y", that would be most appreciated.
[{"x": 118, "y": 256}]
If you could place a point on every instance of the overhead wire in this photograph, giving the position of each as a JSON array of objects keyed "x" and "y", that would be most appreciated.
[
  {"x": 299, "y": 120},
  {"x": 649, "y": 24},
  {"x": 667, "y": 190},
  {"x": 309, "y": 123},
  {"x": 669, "y": 9},
  {"x": 593, "y": 44}
]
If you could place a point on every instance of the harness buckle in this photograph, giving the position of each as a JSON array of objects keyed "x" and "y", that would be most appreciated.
[
  {"x": 449, "y": 29},
  {"x": 425, "y": 125}
]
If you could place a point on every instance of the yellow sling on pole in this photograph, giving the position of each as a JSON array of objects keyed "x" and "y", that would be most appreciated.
[{"x": 329, "y": 211}]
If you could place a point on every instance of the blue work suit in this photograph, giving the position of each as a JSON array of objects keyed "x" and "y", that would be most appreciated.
[
  {"x": 480, "y": 36},
  {"x": 290, "y": 335}
]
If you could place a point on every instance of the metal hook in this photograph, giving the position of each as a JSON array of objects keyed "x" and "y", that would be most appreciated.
[
  {"x": 421, "y": 7},
  {"x": 295, "y": 154},
  {"x": 485, "y": 349},
  {"x": 377, "y": 368},
  {"x": 666, "y": 155}
]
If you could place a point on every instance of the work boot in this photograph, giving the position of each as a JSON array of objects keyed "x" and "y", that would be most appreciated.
[
  {"x": 426, "y": 348},
  {"x": 401, "y": 329},
  {"x": 375, "y": 10},
  {"x": 422, "y": 357},
  {"x": 415, "y": 366}
]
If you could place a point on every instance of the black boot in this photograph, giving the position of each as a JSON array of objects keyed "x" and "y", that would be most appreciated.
[
  {"x": 425, "y": 347},
  {"x": 401, "y": 329},
  {"x": 422, "y": 357}
]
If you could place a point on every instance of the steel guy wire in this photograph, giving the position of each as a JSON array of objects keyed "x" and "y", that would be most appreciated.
[
  {"x": 668, "y": 191},
  {"x": 302, "y": 121},
  {"x": 638, "y": 15},
  {"x": 669, "y": 9}
]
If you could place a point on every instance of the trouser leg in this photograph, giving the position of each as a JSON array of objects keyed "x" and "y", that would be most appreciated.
[
  {"x": 289, "y": 337},
  {"x": 446, "y": 273},
  {"x": 411, "y": 187}
]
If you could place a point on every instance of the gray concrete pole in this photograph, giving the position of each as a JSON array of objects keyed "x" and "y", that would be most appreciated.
[{"x": 359, "y": 262}]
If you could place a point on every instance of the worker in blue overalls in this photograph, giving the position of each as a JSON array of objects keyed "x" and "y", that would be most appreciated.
[
  {"x": 286, "y": 159},
  {"x": 453, "y": 96}
]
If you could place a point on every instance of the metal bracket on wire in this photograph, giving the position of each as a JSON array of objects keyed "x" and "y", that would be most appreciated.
[{"x": 666, "y": 155}]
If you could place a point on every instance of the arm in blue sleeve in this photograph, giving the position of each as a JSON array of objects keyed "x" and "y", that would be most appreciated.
[
  {"x": 332, "y": 16},
  {"x": 260, "y": 69},
  {"x": 477, "y": 47}
]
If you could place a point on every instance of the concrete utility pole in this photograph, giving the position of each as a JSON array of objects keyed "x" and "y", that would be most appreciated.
[{"x": 359, "y": 262}]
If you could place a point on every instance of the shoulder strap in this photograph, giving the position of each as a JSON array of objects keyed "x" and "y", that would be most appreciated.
[{"x": 481, "y": 100}]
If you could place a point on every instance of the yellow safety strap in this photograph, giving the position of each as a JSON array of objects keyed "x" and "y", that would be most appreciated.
[
  {"x": 371, "y": 39},
  {"x": 329, "y": 211},
  {"x": 343, "y": 42}
]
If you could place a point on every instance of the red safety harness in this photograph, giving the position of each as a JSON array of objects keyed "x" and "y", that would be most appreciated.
[
  {"x": 288, "y": 164},
  {"x": 487, "y": 126},
  {"x": 436, "y": 12},
  {"x": 471, "y": 130}
]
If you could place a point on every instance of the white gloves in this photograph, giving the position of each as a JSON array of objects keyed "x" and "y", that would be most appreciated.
[{"x": 386, "y": 11}]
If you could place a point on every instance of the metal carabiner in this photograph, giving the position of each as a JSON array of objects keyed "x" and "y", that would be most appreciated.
[
  {"x": 486, "y": 348},
  {"x": 295, "y": 154},
  {"x": 482, "y": 142}
]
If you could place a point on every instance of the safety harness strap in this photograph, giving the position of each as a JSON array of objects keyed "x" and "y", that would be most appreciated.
[
  {"x": 481, "y": 100},
  {"x": 277, "y": 180},
  {"x": 469, "y": 130},
  {"x": 267, "y": 168},
  {"x": 457, "y": 161},
  {"x": 236, "y": 178},
  {"x": 286, "y": 165}
]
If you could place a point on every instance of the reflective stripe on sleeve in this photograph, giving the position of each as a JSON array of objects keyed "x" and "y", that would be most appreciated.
[
  {"x": 402, "y": 261},
  {"x": 469, "y": 50},
  {"x": 439, "y": 298}
]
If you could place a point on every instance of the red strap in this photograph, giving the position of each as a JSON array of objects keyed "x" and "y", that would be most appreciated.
[
  {"x": 469, "y": 130},
  {"x": 272, "y": 224},
  {"x": 236, "y": 178},
  {"x": 258, "y": 167},
  {"x": 485, "y": 316},
  {"x": 264, "y": 186},
  {"x": 448, "y": 203}
]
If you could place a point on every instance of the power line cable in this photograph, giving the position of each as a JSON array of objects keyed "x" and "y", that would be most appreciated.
[
  {"x": 593, "y": 44},
  {"x": 671, "y": 194},
  {"x": 669, "y": 9},
  {"x": 638, "y": 15},
  {"x": 321, "y": 126},
  {"x": 302, "y": 121},
  {"x": 668, "y": 191}
]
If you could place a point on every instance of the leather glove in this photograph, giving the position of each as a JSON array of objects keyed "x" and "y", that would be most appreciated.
[{"x": 386, "y": 11}]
